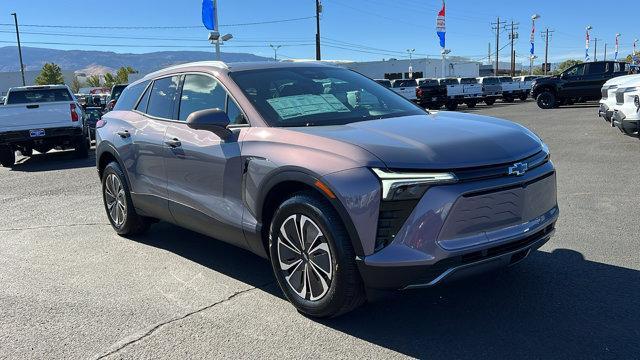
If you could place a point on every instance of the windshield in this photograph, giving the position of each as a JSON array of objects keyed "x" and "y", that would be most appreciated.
[
  {"x": 428, "y": 82},
  {"x": 449, "y": 81},
  {"x": 506, "y": 80},
  {"x": 490, "y": 80},
  {"x": 404, "y": 83},
  {"x": 317, "y": 96}
]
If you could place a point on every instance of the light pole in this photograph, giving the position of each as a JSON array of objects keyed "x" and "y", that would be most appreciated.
[
  {"x": 444, "y": 54},
  {"x": 534, "y": 17},
  {"x": 15, "y": 18},
  {"x": 411, "y": 51},
  {"x": 275, "y": 51},
  {"x": 586, "y": 53}
]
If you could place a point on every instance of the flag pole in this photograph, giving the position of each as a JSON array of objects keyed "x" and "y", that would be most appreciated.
[{"x": 215, "y": 28}]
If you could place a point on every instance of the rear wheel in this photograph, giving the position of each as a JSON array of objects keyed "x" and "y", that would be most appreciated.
[
  {"x": 7, "y": 156},
  {"x": 313, "y": 259},
  {"x": 523, "y": 97},
  {"x": 490, "y": 101},
  {"x": 452, "y": 106},
  {"x": 82, "y": 147},
  {"x": 546, "y": 100},
  {"x": 27, "y": 151},
  {"x": 471, "y": 104},
  {"x": 508, "y": 99},
  {"x": 118, "y": 205}
]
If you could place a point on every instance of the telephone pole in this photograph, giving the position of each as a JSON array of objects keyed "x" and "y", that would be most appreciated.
[
  {"x": 318, "y": 11},
  {"x": 547, "y": 34},
  {"x": 15, "y": 18},
  {"x": 513, "y": 36},
  {"x": 595, "y": 49},
  {"x": 605, "y": 51},
  {"x": 497, "y": 28}
]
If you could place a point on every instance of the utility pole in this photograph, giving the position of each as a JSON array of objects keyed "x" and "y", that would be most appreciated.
[
  {"x": 497, "y": 28},
  {"x": 318, "y": 11},
  {"x": 275, "y": 51},
  {"x": 595, "y": 49},
  {"x": 513, "y": 36},
  {"x": 547, "y": 34},
  {"x": 15, "y": 18},
  {"x": 605, "y": 51},
  {"x": 411, "y": 51},
  {"x": 215, "y": 28},
  {"x": 489, "y": 55}
]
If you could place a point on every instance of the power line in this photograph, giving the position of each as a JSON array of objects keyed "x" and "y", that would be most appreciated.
[
  {"x": 159, "y": 27},
  {"x": 145, "y": 46}
]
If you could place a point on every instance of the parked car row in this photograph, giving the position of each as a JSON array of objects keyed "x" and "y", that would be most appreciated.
[
  {"x": 452, "y": 92},
  {"x": 620, "y": 103}
]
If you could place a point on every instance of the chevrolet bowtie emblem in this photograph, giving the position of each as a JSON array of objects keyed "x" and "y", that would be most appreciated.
[{"x": 518, "y": 169}]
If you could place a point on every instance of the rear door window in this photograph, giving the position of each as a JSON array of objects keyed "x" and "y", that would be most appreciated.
[
  {"x": 597, "y": 68},
  {"x": 130, "y": 96},
  {"x": 163, "y": 97}
]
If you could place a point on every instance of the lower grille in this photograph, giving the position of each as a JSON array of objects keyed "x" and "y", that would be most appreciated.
[
  {"x": 392, "y": 216},
  {"x": 619, "y": 98},
  {"x": 605, "y": 93}
]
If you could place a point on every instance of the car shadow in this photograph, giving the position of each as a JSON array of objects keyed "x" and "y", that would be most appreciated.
[
  {"x": 56, "y": 160},
  {"x": 580, "y": 106},
  {"x": 552, "y": 306}
]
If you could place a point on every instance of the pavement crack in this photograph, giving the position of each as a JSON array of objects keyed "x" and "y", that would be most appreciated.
[
  {"x": 53, "y": 226},
  {"x": 179, "y": 318}
]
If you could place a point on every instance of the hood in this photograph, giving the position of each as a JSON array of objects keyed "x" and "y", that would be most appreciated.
[
  {"x": 626, "y": 79},
  {"x": 446, "y": 140}
]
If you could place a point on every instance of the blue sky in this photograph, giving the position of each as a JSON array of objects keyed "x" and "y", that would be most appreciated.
[{"x": 351, "y": 29}]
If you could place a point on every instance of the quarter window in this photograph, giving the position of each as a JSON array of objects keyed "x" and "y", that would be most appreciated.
[
  {"x": 597, "y": 68},
  {"x": 578, "y": 70},
  {"x": 201, "y": 92},
  {"x": 163, "y": 96},
  {"x": 234, "y": 113}
]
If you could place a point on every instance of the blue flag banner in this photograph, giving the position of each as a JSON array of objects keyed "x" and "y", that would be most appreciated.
[
  {"x": 208, "y": 20},
  {"x": 440, "y": 26},
  {"x": 533, "y": 49}
]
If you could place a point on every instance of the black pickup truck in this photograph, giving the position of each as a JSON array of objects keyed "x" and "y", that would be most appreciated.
[
  {"x": 430, "y": 94},
  {"x": 579, "y": 83}
]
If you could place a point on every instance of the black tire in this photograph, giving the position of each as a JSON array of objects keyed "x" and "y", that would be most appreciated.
[
  {"x": 343, "y": 289},
  {"x": 490, "y": 102},
  {"x": 452, "y": 106},
  {"x": 130, "y": 223},
  {"x": 471, "y": 104},
  {"x": 523, "y": 97},
  {"x": 434, "y": 106},
  {"x": 546, "y": 100},
  {"x": 508, "y": 99},
  {"x": 82, "y": 147},
  {"x": 570, "y": 102},
  {"x": 7, "y": 157},
  {"x": 26, "y": 151}
]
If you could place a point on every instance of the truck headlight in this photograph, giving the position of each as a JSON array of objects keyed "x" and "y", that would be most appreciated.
[
  {"x": 407, "y": 185},
  {"x": 636, "y": 101}
]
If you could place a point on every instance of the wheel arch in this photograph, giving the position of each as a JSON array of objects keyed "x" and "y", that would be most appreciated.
[
  {"x": 105, "y": 154},
  {"x": 282, "y": 186}
]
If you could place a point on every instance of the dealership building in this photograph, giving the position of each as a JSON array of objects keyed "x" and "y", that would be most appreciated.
[{"x": 422, "y": 68}]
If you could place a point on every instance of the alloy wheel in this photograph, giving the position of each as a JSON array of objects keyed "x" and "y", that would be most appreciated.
[
  {"x": 305, "y": 257},
  {"x": 115, "y": 199}
]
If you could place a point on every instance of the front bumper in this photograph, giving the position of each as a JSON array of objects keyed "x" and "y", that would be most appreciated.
[
  {"x": 604, "y": 112},
  {"x": 466, "y": 228},
  {"x": 629, "y": 125}
]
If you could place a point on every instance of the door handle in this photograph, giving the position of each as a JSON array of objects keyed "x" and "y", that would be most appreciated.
[
  {"x": 173, "y": 143},
  {"x": 124, "y": 134}
]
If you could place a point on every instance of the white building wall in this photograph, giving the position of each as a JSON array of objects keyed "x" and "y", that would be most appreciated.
[{"x": 430, "y": 68}]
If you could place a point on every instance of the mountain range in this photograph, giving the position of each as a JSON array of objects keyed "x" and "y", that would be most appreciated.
[{"x": 94, "y": 62}]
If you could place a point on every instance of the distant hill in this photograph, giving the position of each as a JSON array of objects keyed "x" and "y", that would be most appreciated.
[{"x": 35, "y": 58}]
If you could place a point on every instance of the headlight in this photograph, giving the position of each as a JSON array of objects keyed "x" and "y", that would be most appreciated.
[
  {"x": 405, "y": 186},
  {"x": 636, "y": 102},
  {"x": 629, "y": 89}
]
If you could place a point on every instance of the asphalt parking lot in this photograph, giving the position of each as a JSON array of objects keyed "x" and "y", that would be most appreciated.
[{"x": 72, "y": 288}]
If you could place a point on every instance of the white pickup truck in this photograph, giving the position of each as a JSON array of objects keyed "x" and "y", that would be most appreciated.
[
  {"x": 41, "y": 118},
  {"x": 512, "y": 90},
  {"x": 461, "y": 91},
  {"x": 405, "y": 87}
]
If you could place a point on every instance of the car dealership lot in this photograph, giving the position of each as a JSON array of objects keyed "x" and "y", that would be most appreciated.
[{"x": 72, "y": 288}]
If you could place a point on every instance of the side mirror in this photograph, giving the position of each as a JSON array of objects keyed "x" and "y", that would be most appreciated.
[{"x": 214, "y": 120}]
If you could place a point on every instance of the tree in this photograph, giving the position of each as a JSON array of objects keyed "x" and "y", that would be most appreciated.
[
  {"x": 51, "y": 74},
  {"x": 76, "y": 85},
  {"x": 93, "y": 81},
  {"x": 121, "y": 77},
  {"x": 566, "y": 64}
]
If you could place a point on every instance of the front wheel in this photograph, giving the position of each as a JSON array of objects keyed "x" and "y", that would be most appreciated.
[
  {"x": 546, "y": 100},
  {"x": 508, "y": 99},
  {"x": 117, "y": 202},
  {"x": 452, "y": 106},
  {"x": 523, "y": 97},
  {"x": 82, "y": 147},
  {"x": 471, "y": 104},
  {"x": 313, "y": 259},
  {"x": 490, "y": 101}
]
